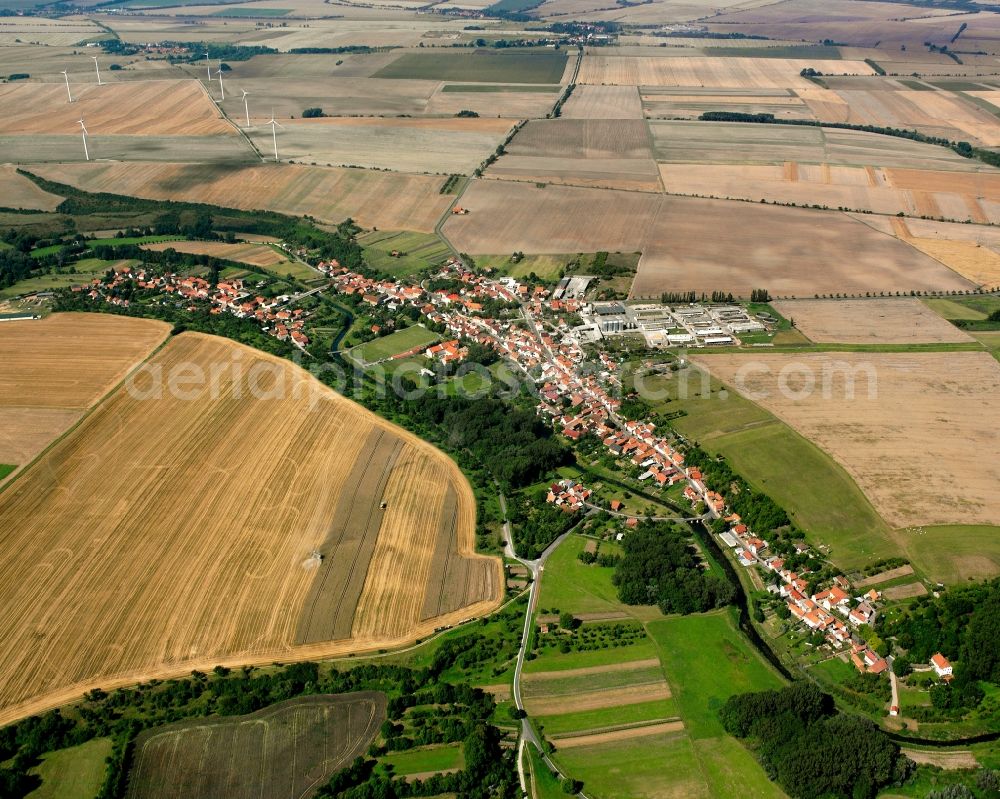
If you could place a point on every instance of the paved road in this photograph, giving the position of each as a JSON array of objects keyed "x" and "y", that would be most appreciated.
[{"x": 535, "y": 567}]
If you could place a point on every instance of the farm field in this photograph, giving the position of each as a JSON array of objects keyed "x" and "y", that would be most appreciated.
[
  {"x": 691, "y": 756},
  {"x": 73, "y": 773},
  {"x": 926, "y": 409},
  {"x": 405, "y": 145},
  {"x": 417, "y": 251},
  {"x": 675, "y": 103},
  {"x": 147, "y": 108},
  {"x": 249, "y": 589},
  {"x": 698, "y": 71},
  {"x": 609, "y": 153},
  {"x": 16, "y": 31},
  {"x": 512, "y": 101},
  {"x": 251, "y": 253},
  {"x": 372, "y": 199},
  {"x": 479, "y": 66},
  {"x": 426, "y": 760},
  {"x": 686, "y": 248},
  {"x": 683, "y": 142},
  {"x": 210, "y": 150},
  {"x": 902, "y": 321},
  {"x": 19, "y": 192},
  {"x": 603, "y": 102},
  {"x": 288, "y": 749},
  {"x": 56, "y": 368},
  {"x": 616, "y": 723},
  {"x": 345, "y": 96}
]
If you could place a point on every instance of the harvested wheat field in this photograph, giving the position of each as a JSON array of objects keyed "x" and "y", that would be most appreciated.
[
  {"x": 56, "y": 368},
  {"x": 372, "y": 199},
  {"x": 603, "y": 102},
  {"x": 404, "y": 145},
  {"x": 896, "y": 321},
  {"x": 613, "y": 154},
  {"x": 913, "y": 435},
  {"x": 169, "y": 107},
  {"x": 695, "y": 245},
  {"x": 700, "y": 71},
  {"x": 19, "y": 192},
  {"x": 971, "y": 250},
  {"x": 504, "y": 217},
  {"x": 144, "y": 550},
  {"x": 251, "y": 253}
]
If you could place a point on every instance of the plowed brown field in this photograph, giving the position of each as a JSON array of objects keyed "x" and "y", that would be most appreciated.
[{"x": 172, "y": 530}]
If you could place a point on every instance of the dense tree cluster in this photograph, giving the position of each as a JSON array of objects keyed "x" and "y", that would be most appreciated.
[
  {"x": 811, "y": 750},
  {"x": 537, "y": 524},
  {"x": 964, "y": 624},
  {"x": 659, "y": 566}
]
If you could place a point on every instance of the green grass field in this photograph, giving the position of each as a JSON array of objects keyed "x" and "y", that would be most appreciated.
[
  {"x": 707, "y": 660},
  {"x": 546, "y": 267},
  {"x": 426, "y": 759},
  {"x": 625, "y": 714},
  {"x": 571, "y": 585},
  {"x": 953, "y": 553},
  {"x": 395, "y": 343},
  {"x": 642, "y": 650},
  {"x": 479, "y": 66},
  {"x": 545, "y": 783},
  {"x": 74, "y": 773},
  {"x": 5, "y": 469},
  {"x": 419, "y": 251}
]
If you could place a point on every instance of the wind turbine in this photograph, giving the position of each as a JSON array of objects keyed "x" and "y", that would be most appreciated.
[
  {"x": 86, "y": 152},
  {"x": 68, "y": 94},
  {"x": 221, "y": 87},
  {"x": 274, "y": 134},
  {"x": 246, "y": 105},
  {"x": 98, "y": 70},
  {"x": 208, "y": 68}
]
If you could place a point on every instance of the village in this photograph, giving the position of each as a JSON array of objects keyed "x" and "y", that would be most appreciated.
[
  {"x": 575, "y": 395},
  {"x": 275, "y": 315}
]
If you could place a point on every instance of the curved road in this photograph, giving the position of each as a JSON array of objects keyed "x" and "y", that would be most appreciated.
[{"x": 535, "y": 568}]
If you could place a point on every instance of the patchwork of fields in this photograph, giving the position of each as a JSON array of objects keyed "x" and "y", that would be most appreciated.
[
  {"x": 639, "y": 718},
  {"x": 171, "y": 596}
]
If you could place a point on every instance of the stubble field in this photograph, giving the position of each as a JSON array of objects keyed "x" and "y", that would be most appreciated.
[
  {"x": 406, "y": 145},
  {"x": 372, "y": 199},
  {"x": 144, "y": 550},
  {"x": 603, "y": 102},
  {"x": 740, "y": 73},
  {"x": 19, "y": 192},
  {"x": 163, "y": 108},
  {"x": 285, "y": 751},
  {"x": 896, "y": 321},
  {"x": 56, "y": 368},
  {"x": 918, "y": 448}
]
